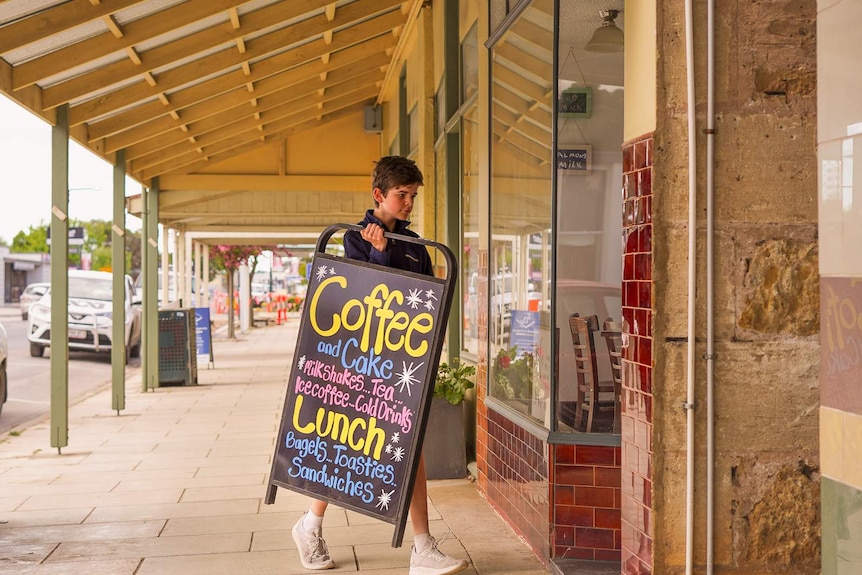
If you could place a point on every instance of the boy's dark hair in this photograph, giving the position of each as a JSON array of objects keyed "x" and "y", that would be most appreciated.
[{"x": 393, "y": 171}]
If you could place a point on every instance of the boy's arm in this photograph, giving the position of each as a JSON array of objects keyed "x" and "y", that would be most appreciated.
[{"x": 356, "y": 248}]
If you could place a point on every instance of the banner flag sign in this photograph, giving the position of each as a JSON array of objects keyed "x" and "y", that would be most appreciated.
[{"x": 361, "y": 383}]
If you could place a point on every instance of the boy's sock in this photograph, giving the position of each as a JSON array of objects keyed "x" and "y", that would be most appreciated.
[
  {"x": 311, "y": 521},
  {"x": 422, "y": 542}
]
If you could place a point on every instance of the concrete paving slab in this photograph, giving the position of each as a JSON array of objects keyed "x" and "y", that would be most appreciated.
[
  {"x": 97, "y": 567},
  {"x": 152, "y": 547},
  {"x": 176, "y": 485},
  {"x": 56, "y": 534}
]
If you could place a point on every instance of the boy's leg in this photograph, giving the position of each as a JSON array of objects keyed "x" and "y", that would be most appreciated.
[
  {"x": 308, "y": 536},
  {"x": 419, "y": 502},
  {"x": 426, "y": 559}
]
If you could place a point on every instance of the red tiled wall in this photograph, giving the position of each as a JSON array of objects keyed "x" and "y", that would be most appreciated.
[
  {"x": 512, "y": 463},
  {"x": 518, "y": 480},
  {"x": 586, "y": 484},
  {"x": 637, "y": 358}
]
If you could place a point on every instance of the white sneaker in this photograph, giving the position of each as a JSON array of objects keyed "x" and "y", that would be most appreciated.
[
  {"x": 313, "y": 553},
  {"x": 432, "y": 561}
]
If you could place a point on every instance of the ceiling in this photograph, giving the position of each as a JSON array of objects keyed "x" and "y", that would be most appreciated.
[
  {"x": 182, "y": 84},
  {"x": 179, "y": 85}
]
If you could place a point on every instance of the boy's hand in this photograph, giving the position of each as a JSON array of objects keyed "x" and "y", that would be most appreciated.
[{"x": 373, "y": 234}]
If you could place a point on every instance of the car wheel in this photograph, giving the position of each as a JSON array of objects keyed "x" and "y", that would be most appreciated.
[
  {"x": 3, "y": 389},
  {"x": 37, "y": 350},
  {"x": 136, "y": 349}
]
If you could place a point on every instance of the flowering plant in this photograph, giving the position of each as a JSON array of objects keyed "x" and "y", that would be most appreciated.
[
  {"x": 513, "y": 374},
  {"x": 453, "y": 381}
]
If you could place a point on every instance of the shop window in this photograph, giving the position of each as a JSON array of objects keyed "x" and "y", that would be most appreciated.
[
  {"x": 556, "y": 223},
  {"x": 520, "y": 363},
  {"x": 588, "y": 245},
  {"x": 470, "y": 229},
  {"x": 470, "y": 65}
]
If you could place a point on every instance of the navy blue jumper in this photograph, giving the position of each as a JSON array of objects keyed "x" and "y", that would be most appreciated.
[{"x": 399, "y": 254}]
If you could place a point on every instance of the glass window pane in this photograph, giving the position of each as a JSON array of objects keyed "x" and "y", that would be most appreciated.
[
  {"x": 589, "y": 223},
  {"x": 413, "y": 129},
  {"x": 521, "y": 193},
  {"x": 470, "y": 65},
  {"x": 470, "y": 229}
]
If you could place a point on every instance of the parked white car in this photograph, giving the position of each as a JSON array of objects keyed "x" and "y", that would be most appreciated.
[
  {"x": 4, "y": 354},
  {"x": 31, "y": 294},
  {"x": 90, "y": 311}
]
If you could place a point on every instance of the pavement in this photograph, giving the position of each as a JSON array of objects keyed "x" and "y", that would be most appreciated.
[{"x": 175, "y": 485}]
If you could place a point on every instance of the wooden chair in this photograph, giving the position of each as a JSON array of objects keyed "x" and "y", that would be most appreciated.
[
  {"x": 593, "y": 395},
  {"x": 612, "y": 331}
]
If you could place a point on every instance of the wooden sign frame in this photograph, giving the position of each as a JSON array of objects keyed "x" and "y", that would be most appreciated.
[{"x": 361, "y": 383}]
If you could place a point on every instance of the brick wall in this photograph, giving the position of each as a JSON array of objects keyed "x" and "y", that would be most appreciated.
[{"x": 637, "y": 418}]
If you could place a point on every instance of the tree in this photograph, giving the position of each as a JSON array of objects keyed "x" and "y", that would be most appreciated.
[
  {"x": 97, "y": 244},
  {"x": 33, "y": 240},
  {"x": 230, "y": 258}
]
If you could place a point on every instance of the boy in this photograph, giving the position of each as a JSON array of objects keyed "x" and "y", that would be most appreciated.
[{"x": 396, "y": 181}]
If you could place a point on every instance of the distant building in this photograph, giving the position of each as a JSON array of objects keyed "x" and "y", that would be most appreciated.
[{"x": 18, "y": 270}]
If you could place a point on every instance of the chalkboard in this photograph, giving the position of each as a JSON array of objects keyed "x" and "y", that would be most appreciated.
[
  {"x": 576, "y": 103},
  {"x": 361, "y": 383},
  {"x": 575, "y": 158}
]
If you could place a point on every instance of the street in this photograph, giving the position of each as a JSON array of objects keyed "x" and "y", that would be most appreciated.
[{"x": 30, "y": 377}]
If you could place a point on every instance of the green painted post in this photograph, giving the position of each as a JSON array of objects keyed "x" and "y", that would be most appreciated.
[
  {"x": 149, "y": 250},
  {"x": 118, "y": 265},
  {"x": 60, "y": 280}
]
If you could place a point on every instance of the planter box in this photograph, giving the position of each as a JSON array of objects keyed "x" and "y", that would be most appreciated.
[{"x": 444, "y": 445}]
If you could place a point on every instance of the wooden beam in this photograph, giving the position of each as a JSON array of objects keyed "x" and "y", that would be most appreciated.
[
  {"x": 276, "y": 119},
  {"x": 128, "y": 96},
  {"x": 134, "y": 32},
  {"x": 143, "y": 122},
  {"x": 539, "y": 134},
  {"x": 241, "y": 145},
  {"x": 541, "y": 152},
  {"x": 291, "y": 97},
  {"x": 521, "y": 85},
  {"x": 55, "y": 20},
  {"x": 213, "y": 63},
  {"x": 262, "y": 183},
  {"x": 522, "y": 107},
  {"x": 539, "y": 68}
]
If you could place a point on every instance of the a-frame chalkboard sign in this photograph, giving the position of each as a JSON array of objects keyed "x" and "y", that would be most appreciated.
[{"x": 361, "y": 383}]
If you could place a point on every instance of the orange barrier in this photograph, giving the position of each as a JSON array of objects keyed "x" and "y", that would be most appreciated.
[{"x": 281, "y": 308}]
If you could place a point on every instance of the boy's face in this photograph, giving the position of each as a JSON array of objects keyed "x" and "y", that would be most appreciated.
[{"x": 397, "y": 202}]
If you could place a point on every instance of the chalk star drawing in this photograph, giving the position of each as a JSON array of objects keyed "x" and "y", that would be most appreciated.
[
  {"x": 398, "y": 454},
  {"x": 301, "y": 362},
  {"x": 322, "y": 271},
  {"x": 396, "y": 437},
  {"x": 430, "y": 294},
  {"x": 383, "y": 499},
  {"x": 406, "y": 379},
  {"x": 429, "y": 305},
  {"x": 331, "y": 270},
  {"x": 415, "y": 298},
  {"x": 388, "y": 448}
]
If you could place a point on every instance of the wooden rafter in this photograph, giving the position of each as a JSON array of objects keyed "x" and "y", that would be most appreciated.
[
  {"x": 197, "y": 102},
  {"x": 219, "y": 62},
  {"x": 133, "y": 33}
]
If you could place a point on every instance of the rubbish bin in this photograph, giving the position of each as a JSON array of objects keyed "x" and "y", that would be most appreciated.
[{"x": 177, "y": 347}]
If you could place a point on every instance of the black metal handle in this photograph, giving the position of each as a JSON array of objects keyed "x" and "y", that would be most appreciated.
[{"x": 329, "y": 231}]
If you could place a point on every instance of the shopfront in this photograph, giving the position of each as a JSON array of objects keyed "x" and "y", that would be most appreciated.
[{"x": 532, "y": 139}]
